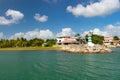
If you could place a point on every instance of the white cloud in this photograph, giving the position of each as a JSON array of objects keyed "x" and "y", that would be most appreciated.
[
  {"x": 15, "y": 17},
  {"x": 44, "y": 34},
  {"x": 96, "y": 31},
  {"x": 17, "y": 35},
  {"x": 109, "y": 30},
  {"x": 113, "y": 30},
  {"x": 102, "y": 8},
  {"x": 40, "y": 18},
  {"x": 66, "y": 32}
]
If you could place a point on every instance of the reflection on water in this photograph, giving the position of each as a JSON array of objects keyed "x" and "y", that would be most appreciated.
[{"x": 56, "y": 65}]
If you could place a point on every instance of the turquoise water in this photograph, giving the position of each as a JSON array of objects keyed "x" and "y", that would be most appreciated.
[{"x": 56, "y": 65}]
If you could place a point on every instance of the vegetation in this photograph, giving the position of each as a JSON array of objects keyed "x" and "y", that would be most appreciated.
[
  {"x": 22, "y": 42},
  {"x": 30, "y": 48},
  {"x": 50, "y": 42},
  {"x": 115, "y": 38},
  {"x": 78, "y": 35},
  {"x": 96, "y": 39},
  {"x": 36, "y": 42}
]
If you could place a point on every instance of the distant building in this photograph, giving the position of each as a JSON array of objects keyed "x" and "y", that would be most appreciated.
[
  {"x": 116, "y": 43},
  {"x": 65, "y": 40},
  {"x": 110, "y": 41}
]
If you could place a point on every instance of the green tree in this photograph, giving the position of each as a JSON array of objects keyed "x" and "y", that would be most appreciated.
[
  {"x": 78, "y": 35},
  {"x": 116, "y": 38},
  {"x": 21, "y": 42},
  {"x": 97, "y": 39},
  {"x": 36, "y": 42},
  {"x": 4, "y": 43},
  {"x": 12, "y": 43},
  {"x": 50, "y": 42}
]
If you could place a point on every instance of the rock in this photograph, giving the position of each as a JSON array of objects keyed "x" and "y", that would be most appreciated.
[{"x": 85, "y": 49}]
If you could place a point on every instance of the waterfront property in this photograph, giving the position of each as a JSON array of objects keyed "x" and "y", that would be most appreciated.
[
  {"x": 81, "y": 48},
  {"x": 116, "y": 43},
  {"x": 110, "y": 42},
  {"x": 65, "y": 40}
]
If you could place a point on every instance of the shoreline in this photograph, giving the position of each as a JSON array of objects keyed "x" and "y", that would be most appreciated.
[
  {"x": 68, "y": 48},
  {"x": 86, "y": 49},
  {"x": 28, "y": 48}
]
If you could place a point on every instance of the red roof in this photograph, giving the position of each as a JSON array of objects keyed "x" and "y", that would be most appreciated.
[{"x": 69, "y": 40}]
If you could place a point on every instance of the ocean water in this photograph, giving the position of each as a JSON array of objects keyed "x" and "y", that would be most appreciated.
[{"x": 57, "y": 65}]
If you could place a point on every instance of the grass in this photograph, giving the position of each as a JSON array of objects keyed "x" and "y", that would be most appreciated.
[{"x": 30, "y": 48}]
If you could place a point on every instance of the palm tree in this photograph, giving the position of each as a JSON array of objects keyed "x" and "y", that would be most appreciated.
[{"x": 36, "y": 42}]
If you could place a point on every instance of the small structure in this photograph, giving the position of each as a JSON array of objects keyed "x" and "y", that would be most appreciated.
[
  {"x": 90, "y": 39},
  {"x": 116, "y": 43},
  {"x": 65, "y": 40},
  {"x": 110, "y": 42}
]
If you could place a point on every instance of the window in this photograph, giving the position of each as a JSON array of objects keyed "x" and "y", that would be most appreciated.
[{"x": 59, "y": 40}]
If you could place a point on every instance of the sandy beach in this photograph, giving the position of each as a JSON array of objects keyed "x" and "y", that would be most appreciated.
[{"x": 30, "y": 48}]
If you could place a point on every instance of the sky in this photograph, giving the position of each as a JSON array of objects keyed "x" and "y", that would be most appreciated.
[{"x": 51, "y": 18}]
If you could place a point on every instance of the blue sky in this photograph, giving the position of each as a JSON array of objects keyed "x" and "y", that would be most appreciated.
[{"x": 37, "y": 18}]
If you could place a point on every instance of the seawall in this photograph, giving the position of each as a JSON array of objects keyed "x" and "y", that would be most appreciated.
[{"x": 84, "y": 48}]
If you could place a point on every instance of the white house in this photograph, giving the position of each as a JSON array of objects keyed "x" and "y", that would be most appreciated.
[
  {"x": 65, "y": 40},
  {"x": 110, "y": 41}
]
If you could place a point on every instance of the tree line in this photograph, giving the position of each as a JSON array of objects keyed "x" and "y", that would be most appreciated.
[
  {"x": 37, "y": 42},
  {"x": 96, "y": 39},
  {"x": 23, "y": 42}
]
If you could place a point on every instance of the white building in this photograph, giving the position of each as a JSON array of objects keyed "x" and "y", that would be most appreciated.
[
  {"x": 110, "y": 41},
  {"x": 65, "y": 40}
]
